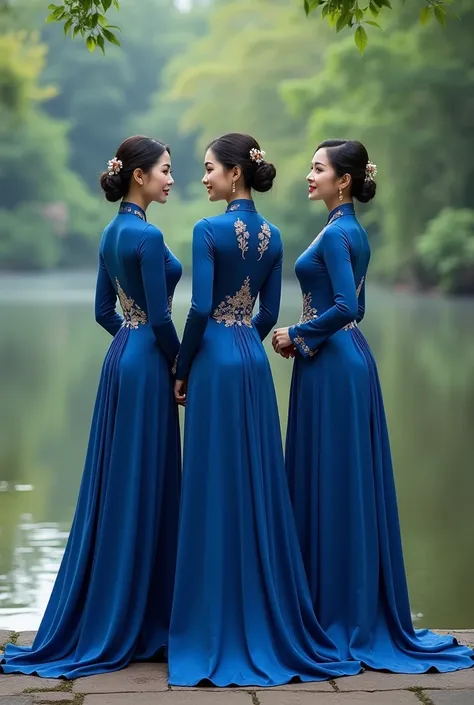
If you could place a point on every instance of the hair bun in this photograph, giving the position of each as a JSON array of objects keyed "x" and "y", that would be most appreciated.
[
  {"x": 366, "y": 191},
  {"x": 113, "y": 186},
  {"x": 263, "y": 177}
]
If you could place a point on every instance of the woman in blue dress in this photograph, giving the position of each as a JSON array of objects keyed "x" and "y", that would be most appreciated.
[
  {"x": 337, "y": 453},
  {"x": 242, "y": 612},
  {"x": 111, "y": 601}
]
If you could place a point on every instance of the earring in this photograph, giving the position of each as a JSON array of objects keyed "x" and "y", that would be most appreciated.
[
  {"x": 341, "y": 197},
  {"x": 233, "y": 187}
]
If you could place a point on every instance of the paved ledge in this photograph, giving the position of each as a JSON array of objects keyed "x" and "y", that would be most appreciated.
[{"x": 147, "y": 684}]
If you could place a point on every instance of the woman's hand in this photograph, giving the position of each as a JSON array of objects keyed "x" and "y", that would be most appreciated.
[
  {"x": 180, "y": 391},
  {"x": 288, "y": 352},
  {"x": 281, "y": 340}
]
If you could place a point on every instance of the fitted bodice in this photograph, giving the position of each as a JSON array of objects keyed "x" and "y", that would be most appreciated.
[
  {"x": 311, "y": 268},
  {"x": 331, "y": 273},
  {"x": 237, "y": 256},
  {"x": 121, "y": 250},
  {"x": 136, "y": 266},
  {"x": 245, "y": 246}
]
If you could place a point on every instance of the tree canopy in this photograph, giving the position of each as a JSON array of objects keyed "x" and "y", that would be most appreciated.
[
  {"x": 88, "y": 18},
  {"x": 289, "y": 82}
]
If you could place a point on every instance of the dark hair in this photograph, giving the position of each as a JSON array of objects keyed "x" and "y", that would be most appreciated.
[
  {"x": 137, "y": 152},
  {"x": 233, "y": 149},
  {"x": 351, "y": 157}
]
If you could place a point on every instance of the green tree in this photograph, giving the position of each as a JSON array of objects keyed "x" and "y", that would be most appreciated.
[
  {"x": 447, "y": 250},
  {"x": 89, "y": 17},
  {"x": 237, "y": 85},
  {"x": 43, "y": 203},
  {"x": 105, "y": 99},
  {"x": 409, "y": 100}
]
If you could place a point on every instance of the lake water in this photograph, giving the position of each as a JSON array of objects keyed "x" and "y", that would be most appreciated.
[{"x": 51, "y": 351}]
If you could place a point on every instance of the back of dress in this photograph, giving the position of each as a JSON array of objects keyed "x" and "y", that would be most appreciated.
[
  {"x": 237, "y": 256},
  {"x": 242, "y": 611},
  {"x": 136, "y": 266}
]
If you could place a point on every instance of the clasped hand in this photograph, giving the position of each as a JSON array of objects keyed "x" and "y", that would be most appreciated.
[
  {"x": 180, "y": 388},
  {"x": 282, "y": 343}
]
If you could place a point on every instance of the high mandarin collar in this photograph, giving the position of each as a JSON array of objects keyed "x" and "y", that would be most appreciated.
[
  {"x": 344, "y": 209},
  {"x": 128, "y": 208},
  {"x": 241, "y": 204}
]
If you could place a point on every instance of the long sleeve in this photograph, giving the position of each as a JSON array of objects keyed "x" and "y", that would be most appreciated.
[
  {"x": 152, "y": 264},
  {"x": 269, "y": 299},
  {"x": 201, "y": 303},
  {"x": 105, "y": 301},
  {"x": 337, "y": 257}
]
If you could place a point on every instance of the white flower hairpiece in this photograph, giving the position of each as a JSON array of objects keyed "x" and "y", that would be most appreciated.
[
  {"x": 114, "y": 166},
  {"x": 257, "y": 155},
  {"x": 370, "y": 171}
]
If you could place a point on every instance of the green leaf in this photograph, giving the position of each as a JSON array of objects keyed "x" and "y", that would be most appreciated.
[
  {"x": 110, "y": 36},
  {"x": 374, "y": 10},
  {"x": 373, "y": 24},
  {"x": 67, "y": 26},
  {"x": 103, "y": 20},
  {"x": 53, "y": 7},
  {"x": 76, "y": 30},
  {"x": 101, "y": 43},
  {"x": 425, "y": 14},
  {"x": 384, "y": 3},
  {"x": 343, "y": 21},
  {"x": 359, "y": 15},
  {"x": 360, "y": 38},
  {"x": 116, "y": 4},
  {"x": 306, "y": 7},
  {"x": 106, "y": 4},
  {"x": 56, "y": 15},
  {"x": 325, "y": 11},
  {"x": 440, "y": 14},
  {"x": 91, "y": 42}
]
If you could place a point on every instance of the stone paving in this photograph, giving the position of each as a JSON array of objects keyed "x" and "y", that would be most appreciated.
[{"x": 147, "y": 684}]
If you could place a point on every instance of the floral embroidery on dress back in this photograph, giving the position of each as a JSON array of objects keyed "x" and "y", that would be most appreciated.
[
  {"x": 170, "y": 304},
  {"x": 133, "y": 315},
  {"x": 236, "y": 310},
  {"x": 308, "y": 312},
  {"x": 242, "y": 236},
  {"x": 264, "y": 239},
  {"x": 234, "y": 207}
]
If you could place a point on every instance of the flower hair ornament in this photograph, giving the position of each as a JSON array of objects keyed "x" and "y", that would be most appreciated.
[
  {"x": 257, "y": 155},
  {"x": 370, "y": 171},
  {"x": 114, "y": 166}
]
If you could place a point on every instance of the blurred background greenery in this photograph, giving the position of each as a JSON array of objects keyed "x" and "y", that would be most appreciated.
[
  {"x": 184, "y": 74},
  {"x": 247, "y": 65}
]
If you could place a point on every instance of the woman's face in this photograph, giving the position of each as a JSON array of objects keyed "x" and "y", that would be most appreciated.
[
  {"x": 217, "y": 179},
  {"x": 323, "y": 182},
  {"x": 158, "y": 181}
]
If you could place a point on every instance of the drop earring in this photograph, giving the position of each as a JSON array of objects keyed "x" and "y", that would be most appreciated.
[
  {"x": 233, "y": 187},
  {"x": 341, "y": 197}
]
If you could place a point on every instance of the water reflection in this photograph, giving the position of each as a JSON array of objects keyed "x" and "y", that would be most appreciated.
[{"x": 50, "y": 356}]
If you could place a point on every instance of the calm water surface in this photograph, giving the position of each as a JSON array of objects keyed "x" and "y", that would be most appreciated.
[{"x": 51, "y": 352}]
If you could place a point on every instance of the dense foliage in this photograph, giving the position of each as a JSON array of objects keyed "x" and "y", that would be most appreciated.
[{"x": 288, "y": 81}]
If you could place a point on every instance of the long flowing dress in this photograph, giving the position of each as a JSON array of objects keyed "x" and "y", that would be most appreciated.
[
  {"x": 111, "y": 602},
  {"x": 340, "y": 469},
  {"x": 242, "y": 612}
]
